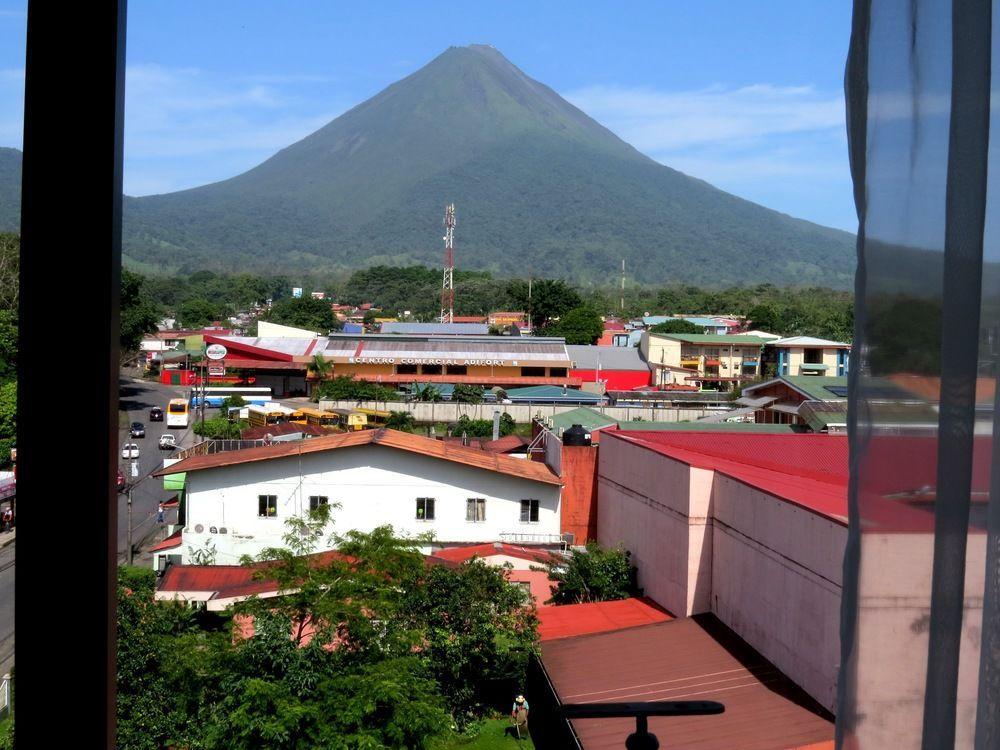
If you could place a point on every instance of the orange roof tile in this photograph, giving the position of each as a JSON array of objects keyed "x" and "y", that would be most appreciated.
[
  {"x": 498, "y": 462},
  {"x": 568, "y": 620}
]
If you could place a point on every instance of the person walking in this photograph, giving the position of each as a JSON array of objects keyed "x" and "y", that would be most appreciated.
[
  {"x": 159, "y": 513},
  {"x": 519, "y": 715},
  {"x": 8, "y": 519}
]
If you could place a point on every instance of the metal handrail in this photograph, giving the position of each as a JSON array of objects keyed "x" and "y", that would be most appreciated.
[{"x": 642, "y": 738}]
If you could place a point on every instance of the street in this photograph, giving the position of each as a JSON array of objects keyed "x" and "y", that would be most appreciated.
[
  {"x": 136, "y": 398},
  {"x": 7, "y": 608}
]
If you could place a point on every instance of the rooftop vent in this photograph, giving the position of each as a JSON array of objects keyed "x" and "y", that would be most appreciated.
[{"x": 576, "y": 435}]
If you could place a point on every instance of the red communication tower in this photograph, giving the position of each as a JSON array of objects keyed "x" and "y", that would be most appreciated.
[{"x": 448, "y": 278}]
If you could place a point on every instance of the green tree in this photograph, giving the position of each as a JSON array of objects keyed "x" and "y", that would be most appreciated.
[
  {"x": 305, "y": 312},
  {"x": 479, "y": 634},
  {"x": 10, "y": 264},
  {"x": 595, "y": 575},
  {"x": 467, "y": 394},
  {"x": 549, "y": 298},
  {"x": 220, "y": 428},
  {"x": 138, "y": 313},
  {"x": 198, "y": 313},
  {"x": 676, "y": 326},
  {"x": 346, "y": 388},
  {"x": 8, "y": 420},
  {"x": 483, "y": 428},
  {"x": 400, "y": 420},
  {"x": 581, "y": 325},
  {"x": 8, "y": 344},
  {"x": 321, "y": 367},
  {"x": 426, "y": 392}
]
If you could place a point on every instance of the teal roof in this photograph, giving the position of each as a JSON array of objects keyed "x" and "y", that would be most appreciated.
[
  {"x": 589, "y": 419},
  {"x": 817, "y": 386},
  {"x": 712, "y": 427},
  {"x": 551, "y": 393},
  {"x": 709, "y": 338}
]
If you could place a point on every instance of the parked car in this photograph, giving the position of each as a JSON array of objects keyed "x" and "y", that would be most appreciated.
[
  {"x": 121, "y": 480},
  {"x": 138, "y": 430},
  {"x": 130, "y": 451},
  {"x": 168, "y": 442},
  {"x": 156, "y": 414}
]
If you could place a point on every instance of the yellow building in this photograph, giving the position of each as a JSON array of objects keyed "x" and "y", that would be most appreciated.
[{"x": 701, "y": 359}]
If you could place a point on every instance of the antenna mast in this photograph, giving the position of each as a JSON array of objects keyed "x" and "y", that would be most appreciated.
[
  {"x": 623, "y": 286},
  {"x": 448, "y": 280}
]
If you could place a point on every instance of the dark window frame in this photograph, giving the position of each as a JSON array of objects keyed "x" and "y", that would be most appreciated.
[
  {"x": 424, "y": 504},
  {"x": 315, "y": 501},
  {"x": 529, "y": 508},
  {"x": 264, "y": 504}
]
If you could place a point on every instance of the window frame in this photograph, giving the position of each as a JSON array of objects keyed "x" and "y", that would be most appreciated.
[
  {"x": 325, "y": 500},
  {"x": 422, "y": 505},
  {"x": 474, "y": 504},
  {"x": 533, "y": 507},
  {"x": 264, "y": 502}
]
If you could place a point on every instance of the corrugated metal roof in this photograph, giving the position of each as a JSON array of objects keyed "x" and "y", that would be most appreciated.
[
  {"x": 288, "y": 346},
  {"x": 467, "y": 552},
  {"x": 809, "y": 341},
  {"x": 547, "y": 350},
  {"x": 589, "y": 419},
  {"x": 552, "y": 393},
  {"x": 570, "y": 620},
  {"x": 437, "y": 329},
  {"x": 734, "y": 339},
  {"x": 607, "y": 357},
  {"x": 808, "y": 470},
  {"x": 699, "y": 426},
  {"x": 695, "y": 658},
  {"x": 497, "y": 462}
]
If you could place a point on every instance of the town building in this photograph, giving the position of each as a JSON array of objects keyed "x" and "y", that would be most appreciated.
[
  {"x": 283, "y": 364},
  {"x": 808, "y": 355},
  {"x": 777, "y": 401},
  {"x": 709, "y": 361},
  {"x": 237, "y": 502},
  {"x": 436, "y": 329},
  {"x": 609, "y": 368},
  {"x": 748, "y": 527}
]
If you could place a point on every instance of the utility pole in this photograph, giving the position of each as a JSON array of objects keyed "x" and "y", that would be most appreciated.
[
  {"x": 623, "y": 287},
  {"x": 128, "y": 555}
]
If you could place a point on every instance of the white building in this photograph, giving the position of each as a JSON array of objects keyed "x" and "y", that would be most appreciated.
[{"x": 237, "y": 502}]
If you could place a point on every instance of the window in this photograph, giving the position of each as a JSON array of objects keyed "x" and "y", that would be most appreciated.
[
  {"x": 529, "y": 511},
  {"x": 406, "y": 369},
  {"x": 457, "y": 370},
  {"x": 267, "y": 506},
  {"x": 557, "y": 372},
  {"x": 812, "y": 356},
  {"x": 533, "y": 372},
  {"x": 430, "y": 369},
  {"x": 425, "y": 508},
  {"x": 317, "y": 500},
  {"x": 475, "y": 509}
]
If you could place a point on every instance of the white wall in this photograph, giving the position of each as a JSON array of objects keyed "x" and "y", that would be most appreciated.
[
  {"x": 375, "y": 485},
  {"x": 276, "y": 330}
]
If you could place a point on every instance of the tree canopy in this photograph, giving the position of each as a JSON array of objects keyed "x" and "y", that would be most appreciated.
[
  {"x": 581, "y": 325},
  {"x": 138, "y": 312},
  {"x": 676, "y": 326},
  {"x": 594, "y": 575},
  {"x": 304, "y": 312}
]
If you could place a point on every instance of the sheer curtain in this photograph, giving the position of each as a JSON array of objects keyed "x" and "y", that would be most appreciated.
[{"x": 920, "y": 633}]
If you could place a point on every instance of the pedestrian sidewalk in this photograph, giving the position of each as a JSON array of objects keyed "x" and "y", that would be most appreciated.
[{"x": 8, "y": 538}]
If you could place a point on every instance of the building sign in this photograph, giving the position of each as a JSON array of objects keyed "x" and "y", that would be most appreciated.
[
  {"x": 216, "y": 369},
  {"x": 297, "y": 292},
  {"x": 216, "y": 351}
]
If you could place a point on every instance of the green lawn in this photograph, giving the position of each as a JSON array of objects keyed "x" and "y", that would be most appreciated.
[{"x": 489, "y": 737}]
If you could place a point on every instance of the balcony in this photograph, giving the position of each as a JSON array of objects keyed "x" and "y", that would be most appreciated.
[
  {"x": 690, "y": 361},
  {"x": 813, "y": 367}
]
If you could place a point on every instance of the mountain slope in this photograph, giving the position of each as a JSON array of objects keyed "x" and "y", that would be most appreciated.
[{"x": 539, "y": 187}]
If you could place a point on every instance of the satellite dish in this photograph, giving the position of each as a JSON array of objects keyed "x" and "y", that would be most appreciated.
[{"x": 198, "y": 528}]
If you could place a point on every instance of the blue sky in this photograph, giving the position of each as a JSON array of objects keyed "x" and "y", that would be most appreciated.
[{"x": 748, "y": 96}]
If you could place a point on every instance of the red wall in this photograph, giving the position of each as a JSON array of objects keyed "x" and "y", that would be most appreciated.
[
  {"x": 579, "y": 495},
  {"x": 618, "y": 380}
]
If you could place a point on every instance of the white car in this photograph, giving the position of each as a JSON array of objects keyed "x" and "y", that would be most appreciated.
[
  {"x": 130, "y": 450},
  {"x": 168, "y": 442}
]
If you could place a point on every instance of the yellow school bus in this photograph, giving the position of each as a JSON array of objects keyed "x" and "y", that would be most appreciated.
[
  {"x": 376, "y": 417},
  {"x": 319, "y": 417},
  {"x": 351, "y": 420}
]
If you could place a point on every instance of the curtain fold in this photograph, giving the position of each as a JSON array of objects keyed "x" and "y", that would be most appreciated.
[{"x": 920, "y": 647}]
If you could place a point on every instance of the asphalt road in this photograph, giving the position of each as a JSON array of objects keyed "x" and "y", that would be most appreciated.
[
  {"x": 6, "y": 607},
  {"x": 136, "y": 398}
]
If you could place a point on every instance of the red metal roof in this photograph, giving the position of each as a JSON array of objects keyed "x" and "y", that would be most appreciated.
[
  {"x": 517, "y": 380},
  {"x": 695, "y": 658},
  {"x": 568, "y": 620},
  {"x": 467, "y": 552},
  {"x": 805, "y": 469},
  {"x": 498, "y": 462},
  {"x": 174, "y": 540},
  {"x": 506, "y": 444}
]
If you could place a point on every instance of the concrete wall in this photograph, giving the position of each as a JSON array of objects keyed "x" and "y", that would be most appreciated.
[
  {"x": 776, "y": 580},
  {"x": 374, "y": 485},
  {"x": 893, "y": 632},
  {"x": 428, "y": 411},
  {"x": 705, "y": 542},
  {"x": 579, "y": 495}
]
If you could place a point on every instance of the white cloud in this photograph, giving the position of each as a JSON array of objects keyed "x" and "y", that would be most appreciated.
[{"x": 656, "y": 121}]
